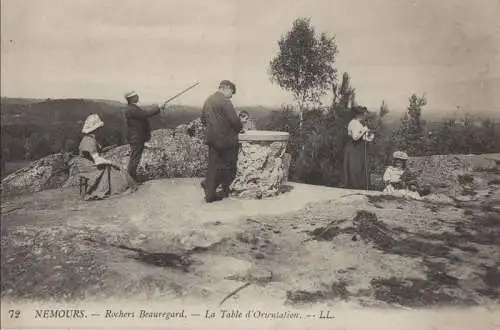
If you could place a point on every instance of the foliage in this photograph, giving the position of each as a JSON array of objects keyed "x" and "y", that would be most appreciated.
[
  {"x": 344, "y": 95},
  {"x": 304, "y": 65},
  {"x": 465, "y": 136},
  {"x": 411, "y": 136},
  {"x": 379, "y": 151},
  {"x": 32, "y": 130},
  {"x": 319, "y": 152}
]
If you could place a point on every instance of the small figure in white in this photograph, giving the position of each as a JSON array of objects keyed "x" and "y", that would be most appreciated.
[
  {"x": 398, "y": 179},
  {"x": 248, "y": 124}
]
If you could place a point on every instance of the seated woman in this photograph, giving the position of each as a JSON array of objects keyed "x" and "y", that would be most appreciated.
[
  {"x": 398, "y": 179},
  {"x": 103, "y": 176}
]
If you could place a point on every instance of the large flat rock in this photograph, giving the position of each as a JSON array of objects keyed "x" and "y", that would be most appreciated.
[
  {"x": 171, "y": 216},
  {"x": 311, "y": 245},
  {"x": 163, "y": 216}
]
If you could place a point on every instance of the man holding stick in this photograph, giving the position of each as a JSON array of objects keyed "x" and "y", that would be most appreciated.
[
  {"x": 139, "y": 131},
  {"x": 222, "y": 128}
]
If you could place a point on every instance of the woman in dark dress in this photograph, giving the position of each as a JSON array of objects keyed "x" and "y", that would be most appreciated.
[{"x": 355, "y": 162}]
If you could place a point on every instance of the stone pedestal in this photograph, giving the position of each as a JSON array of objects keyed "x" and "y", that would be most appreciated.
[{"x": 262, "y": 164}]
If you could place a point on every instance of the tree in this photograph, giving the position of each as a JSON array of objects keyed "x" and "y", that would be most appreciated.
[
  {"x": 379, "y": 150},
  {"x": 384, "y": 110},
  {"x": 411, "y": 136},
  {"x": 304, "y": 65},
  {"x": 320, "y": 161},
  {"x": 444, "y": 141},
  {"x": 344, "y": 95}
]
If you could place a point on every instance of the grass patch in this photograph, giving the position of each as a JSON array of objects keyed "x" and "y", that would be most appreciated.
[{"x": 335, "y": 291}]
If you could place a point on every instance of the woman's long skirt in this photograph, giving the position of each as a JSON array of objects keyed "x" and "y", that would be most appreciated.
[
  {"x": 104, "y": 181},
  {"x": 355, "y": 166}
]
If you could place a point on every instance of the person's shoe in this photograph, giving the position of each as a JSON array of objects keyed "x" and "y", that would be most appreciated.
[
  {"x": 211, "y": 199},
  {"x": 140, "y": 180},
  {"x": 225, "y": 193}
]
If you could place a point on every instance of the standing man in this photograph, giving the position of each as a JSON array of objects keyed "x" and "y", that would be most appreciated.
[
  {"x": 138, "y": 129},
  {"x": 222, "y": 127}
]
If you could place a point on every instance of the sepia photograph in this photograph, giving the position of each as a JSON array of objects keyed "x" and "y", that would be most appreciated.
[{"x": 184, "y": 164}]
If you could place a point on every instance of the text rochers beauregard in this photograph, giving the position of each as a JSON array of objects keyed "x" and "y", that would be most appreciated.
[{"x": 144, "y": 314}]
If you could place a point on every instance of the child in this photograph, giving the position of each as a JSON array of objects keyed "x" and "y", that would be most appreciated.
[
  {"x": 398, "y": 178},
  {"x": 248, "y": 124}
]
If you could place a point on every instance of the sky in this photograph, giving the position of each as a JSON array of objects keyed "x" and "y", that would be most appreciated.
[{"x": 449, "y": 50}]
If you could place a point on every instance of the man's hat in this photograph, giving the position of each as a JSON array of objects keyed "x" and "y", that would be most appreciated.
[
  {"x": 227, "y": 83},
  {"x": 130, "y": 94}
]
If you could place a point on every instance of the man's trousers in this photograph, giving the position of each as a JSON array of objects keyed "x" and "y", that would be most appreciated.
[
  {"x": 135, "y": 158},
  {"x": 221, "y": 170}
]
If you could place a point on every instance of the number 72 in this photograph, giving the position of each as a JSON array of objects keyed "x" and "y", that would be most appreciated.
[{"x": 14, "y": 314}]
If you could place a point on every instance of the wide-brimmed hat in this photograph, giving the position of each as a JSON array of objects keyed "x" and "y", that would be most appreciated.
[
  {"x": 401, "y": 155},
  {"x": 227, "y": 83},
  {"x": 130, "y": 94},
  {"x": 359, "y": 110},
  {"x": 92, "y": 123}
]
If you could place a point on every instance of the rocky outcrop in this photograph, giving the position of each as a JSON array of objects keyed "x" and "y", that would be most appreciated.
[
  {"x": 455, "y": 175},
  {"x": 195, "y": 129},
  {"x": 169, "y": 153},
  {"x": 452, "y": 177},
  {"x": 46, "y": 173},
  {"x": 262, "y": 168}
]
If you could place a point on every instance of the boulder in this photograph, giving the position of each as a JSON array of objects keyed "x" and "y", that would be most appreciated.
[
  {"x": 169, "y": 154},
  {"x": 46, "y": 173},
  {"x": 452, "y": 175}
]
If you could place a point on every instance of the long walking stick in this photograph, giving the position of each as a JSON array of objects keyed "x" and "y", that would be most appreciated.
[
  {"x": 182, "y": 92},
  {"x": 366, "y": 167}
]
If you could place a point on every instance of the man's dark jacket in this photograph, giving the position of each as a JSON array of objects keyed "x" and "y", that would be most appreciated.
[
  {"x": 221, "y": 121},
  {"x": 138, "y": 128}
]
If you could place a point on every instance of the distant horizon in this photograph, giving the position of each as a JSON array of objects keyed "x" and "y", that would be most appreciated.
[{"x": 427, "y": 108}]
